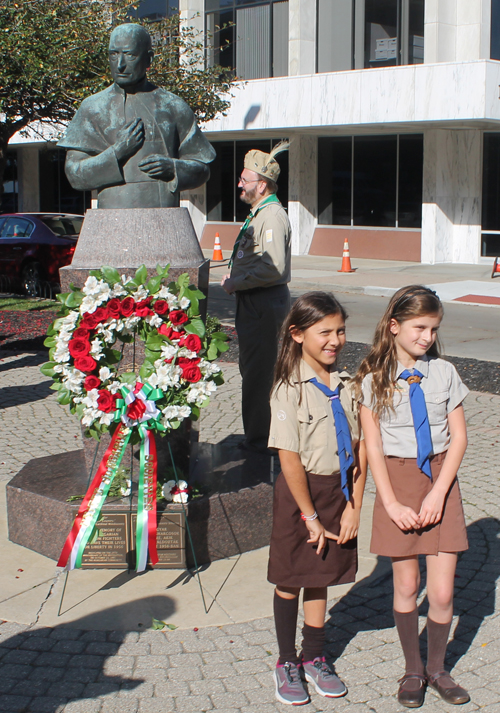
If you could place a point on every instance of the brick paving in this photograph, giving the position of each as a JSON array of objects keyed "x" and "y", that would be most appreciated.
[{"x": 228, "y": 669}]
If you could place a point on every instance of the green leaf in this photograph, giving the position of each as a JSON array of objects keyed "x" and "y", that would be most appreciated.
[
  {"x": 212, "y": 351},
  {"x": 112, "y": 356},
  {"x": 75, "y": 299},
  {"x": 129, "y": 378},
  {"x": 172, "y": 627},
  {"x": 218, "y": 378},
  {"x": 141, "y": 275},
  {"x": 162, "y": 271},
  {"x": 111, "y": 275},
  {"x": 96, "y": 273},
  {"x": 157, "y": 624},
  {"x": 221, "y": 336},
  {"x": 195, "y": 326},
  {"x": 154, "y": 284},
  {"x": 47, "y": 369},
  {"x": 183, "y": 280},
  {"x": 50, "y": 341},
  {"x": 64, "y": 396},
  {"x": 146, "y": 370},
  {"x": 56, "y": 386}
]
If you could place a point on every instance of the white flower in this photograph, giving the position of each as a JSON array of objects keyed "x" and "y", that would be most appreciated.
[
  {"x": 65, "y": 335},
  {"x": 208, "y": 368},
  {"x": 168, "y": 351},
  {"x": 154, "y": 320},
  {"x": 71, "y": 319},
  {"x": 183, "y": 352},
  {"x": 106, "y": 419},
  {"x": 181, "y": 497},
  {"x": 104, "y": 373},
  {"x": 96, "y": 349},
  {"x": 96, "y": 288},
  {"x": 58, "y": 368},
  {"x": 140, "y": 294},
  {"x": 126, "y": 279},
  {"x": 90, "y": 415},
  {"x": 184, "y": 303},
  {"x": 167, "y": 487},
  {"x": 72, "y": 379},
  {"x": 89, "y": 304},
  {"x": 118, "y": 290},
  {"x": 130, "y": 322},
  {"x": 127, "y": 488},
  {"x": 114, "y": 387},
  {"x": 171, "y": 412},
  {"x": 91, "y": 400},
  {"x": 61, "y": 352}
]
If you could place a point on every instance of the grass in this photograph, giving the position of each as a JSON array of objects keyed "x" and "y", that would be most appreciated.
[{"x": 27, "y": 304}]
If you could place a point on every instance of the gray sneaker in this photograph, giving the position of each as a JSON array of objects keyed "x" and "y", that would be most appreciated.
[
  {"x": 324, "y": 680},
  {"x": 289, "y": 686}
]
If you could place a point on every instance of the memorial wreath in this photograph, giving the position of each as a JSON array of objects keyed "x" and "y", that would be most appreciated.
[{"x": 175, "y": 379}]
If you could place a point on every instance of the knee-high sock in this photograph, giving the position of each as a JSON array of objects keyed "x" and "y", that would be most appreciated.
[
  {"x": 313, "y": 642},
  {"x": 407, "y": 625},
  {"x": 437, "y": 639},
  {"x": 285, "y": 621}
]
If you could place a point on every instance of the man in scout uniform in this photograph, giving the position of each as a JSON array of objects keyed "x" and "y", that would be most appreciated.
[{"x": 260, "y": 271}]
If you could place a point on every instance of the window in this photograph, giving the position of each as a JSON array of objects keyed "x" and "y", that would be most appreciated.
[
  {"x": 155, "y": 9},
  {"x": 250, "y": 37},
  {"x": 223, "y": 203},
  {"x": 370, "y": 181},
  {"x": 495, "y": 30},
  {"x": 17, "y": 228},
  {"x": 56, "y": 194},
  {"x": 357, "y": 34},
  {"x": 490, "y": 242},
  {"x": 10, "y": 187}
]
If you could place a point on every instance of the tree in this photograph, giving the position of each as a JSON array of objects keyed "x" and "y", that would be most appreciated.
[{"x": 53, "y": 54}]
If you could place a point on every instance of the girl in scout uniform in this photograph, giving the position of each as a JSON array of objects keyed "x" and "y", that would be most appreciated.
[
  {"x": 318, "y": 494},
  {"x": 414, "y": 427}
]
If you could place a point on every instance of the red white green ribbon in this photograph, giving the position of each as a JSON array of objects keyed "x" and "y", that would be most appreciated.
[
  {"x": 93, "y": 501},
  {"x": 88, "y": 513}
]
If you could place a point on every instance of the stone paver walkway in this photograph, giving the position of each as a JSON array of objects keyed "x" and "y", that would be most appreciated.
[{"x": 228, "y": 669}]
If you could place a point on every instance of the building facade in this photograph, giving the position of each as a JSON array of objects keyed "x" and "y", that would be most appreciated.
[{"x": 393, "y": 112}]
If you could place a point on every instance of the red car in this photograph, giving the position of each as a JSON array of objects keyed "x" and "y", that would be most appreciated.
[{"x": 33, "y": 246}]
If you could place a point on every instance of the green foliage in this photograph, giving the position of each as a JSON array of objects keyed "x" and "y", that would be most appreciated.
[{"x": 54, "y": 53}]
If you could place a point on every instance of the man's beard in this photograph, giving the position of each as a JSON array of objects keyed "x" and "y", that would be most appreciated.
[{"x": 249, "y": 197}]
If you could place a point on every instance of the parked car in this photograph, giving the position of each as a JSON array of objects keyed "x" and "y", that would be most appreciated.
[{"x": 33, "y": 246}]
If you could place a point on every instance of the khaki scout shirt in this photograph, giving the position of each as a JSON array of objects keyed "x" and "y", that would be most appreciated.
[
  {"x": 308, "y": 428},
  {"x": 263, "y": 258},
  {"x": 443, "y": 390}
]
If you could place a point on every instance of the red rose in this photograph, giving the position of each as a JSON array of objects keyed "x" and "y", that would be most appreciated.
[
  {"x": 161, "y": 307},
  {"x": 89, "y": 321},
  {"x": 81, "y": 333},
  {"x": 85, "y": 364},
  {"x": 191, "y": 342},
  {"x": 178, "y": 317},
  {"x": 114, "y": 307},
  {"x": 136, "y": 409},
  {"x": 101, "y": 314},
  {"x": 106, "y": 401},
  {"x": 127, "y": 306},
  {"x": 170, "y": 333},
  {"x": 184, "y": 361},
  {"x": 191, "y": 373},
  {"x": 79, "y": 347},
  {"x": 91, "y": 382},
  {"x": 142, "y": 308}
]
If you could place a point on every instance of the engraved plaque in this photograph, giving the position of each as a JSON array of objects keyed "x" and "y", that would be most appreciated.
[
  {"x": 170, "y": 539},
  {"x": 111, "y": 547}
]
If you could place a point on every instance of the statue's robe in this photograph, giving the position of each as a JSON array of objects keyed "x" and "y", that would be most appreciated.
[{"x": 170, "y": 130}]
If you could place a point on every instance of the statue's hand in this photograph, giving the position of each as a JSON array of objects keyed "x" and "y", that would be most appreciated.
[
  {"x": 159, "y": 167},
  {"x": 129, "y": 139}
]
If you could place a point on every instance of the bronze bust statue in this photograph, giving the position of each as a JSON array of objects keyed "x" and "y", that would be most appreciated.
[{"x": 137, "y": 144}]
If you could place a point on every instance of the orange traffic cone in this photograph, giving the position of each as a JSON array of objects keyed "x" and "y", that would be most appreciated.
[
  {"x": 496, "y": 268},
  {"x": 217, "y": 249},
  {"x": 346, "y": 259}
]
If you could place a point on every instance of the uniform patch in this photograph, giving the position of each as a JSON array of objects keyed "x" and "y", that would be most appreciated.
[
  {"x": 269, "y": 236},
  {"x": 281, "y": 415},
  {"x": 240, "y": 254}
]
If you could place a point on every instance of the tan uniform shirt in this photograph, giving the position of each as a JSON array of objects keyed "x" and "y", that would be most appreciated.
[
  {"x": 308, "y": 428},
  {"x": 263, "y": 258},
  {"x": 443, "y": 390}
]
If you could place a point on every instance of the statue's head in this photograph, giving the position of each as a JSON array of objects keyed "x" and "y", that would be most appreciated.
[{"x": 130, "y": 54}]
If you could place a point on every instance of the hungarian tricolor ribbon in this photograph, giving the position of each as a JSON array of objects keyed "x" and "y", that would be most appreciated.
[{"x": 136, "y": 409}]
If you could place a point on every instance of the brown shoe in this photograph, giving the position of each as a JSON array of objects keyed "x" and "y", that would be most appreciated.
[
  {"x": 449, "y": 691},
  {"x": 411, "y": 690}
]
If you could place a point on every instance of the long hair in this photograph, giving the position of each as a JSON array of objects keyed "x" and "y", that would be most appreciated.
[
  {"x": 381, "y": 362},
  {"x": 309, "y": 308}
]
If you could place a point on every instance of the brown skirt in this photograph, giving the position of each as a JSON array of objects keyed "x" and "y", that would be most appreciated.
[
  {"x": 410, "y": 487},
  {"x": 292, "y": 561}
]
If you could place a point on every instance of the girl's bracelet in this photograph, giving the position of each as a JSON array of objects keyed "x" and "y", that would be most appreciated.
[{"x": 309, "y": 517}]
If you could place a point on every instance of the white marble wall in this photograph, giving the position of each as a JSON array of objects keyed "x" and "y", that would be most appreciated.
[
  {"x": 457, "y": 30},
  {"x": 451, "y": 211},
  {"x": 195, "y": 201},
  {"x": 28, "y": 179},
  {"x": 302, "y": 187},
  {"x": 302, "y": 33}
]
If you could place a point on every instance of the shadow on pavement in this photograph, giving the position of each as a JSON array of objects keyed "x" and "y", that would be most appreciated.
[
  {"x": 29, "y": 360},
  {"x": 368, "y": 605},
  {"x": 29, "y": 393},
  {"x": 45, "y": 668}
]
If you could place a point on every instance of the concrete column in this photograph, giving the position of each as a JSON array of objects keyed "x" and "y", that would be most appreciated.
[
  {"x": 192, "y": 14},
  {"x": 457, "y": 30},
  {"x": 28, "y": 179},
  {"x": 195, "y": 201},
  {"x": 451, "y": 211},
  {"x": 302, "y": 34},
  {"x": 302, "y": 191}
]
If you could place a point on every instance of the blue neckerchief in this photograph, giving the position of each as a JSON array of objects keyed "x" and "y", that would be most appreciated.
[
  {"x": 420, "y": 420},
  {"x": 344, "y": 444}
]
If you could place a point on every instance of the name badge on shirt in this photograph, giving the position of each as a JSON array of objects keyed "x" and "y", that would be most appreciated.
[
  {"x": 269, "y": 236},
  {"x": 240, "y": 254}
]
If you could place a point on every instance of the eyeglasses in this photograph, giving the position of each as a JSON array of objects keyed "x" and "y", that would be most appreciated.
[{"x": 244, "y": 181}]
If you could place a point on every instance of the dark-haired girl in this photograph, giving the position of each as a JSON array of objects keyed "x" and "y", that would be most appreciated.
[
  {"x": 318, "y": 494},
  {"x": 414, "y": 427}
]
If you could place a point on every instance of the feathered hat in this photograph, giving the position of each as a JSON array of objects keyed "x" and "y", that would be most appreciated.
[{"x": 264, "y": 163}]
